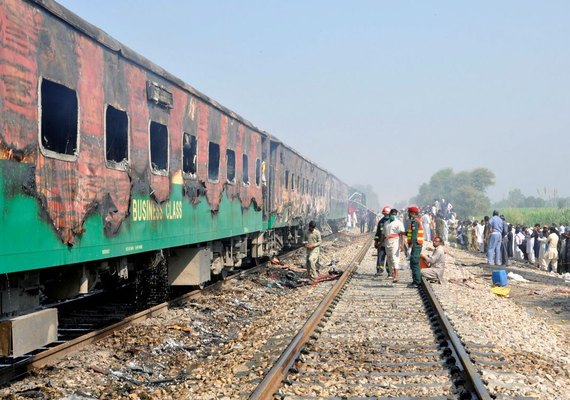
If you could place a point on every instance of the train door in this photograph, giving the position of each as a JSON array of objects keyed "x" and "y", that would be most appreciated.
[
  {"x": 264, "y": 173},
  {"x": 272, "y": 184}
]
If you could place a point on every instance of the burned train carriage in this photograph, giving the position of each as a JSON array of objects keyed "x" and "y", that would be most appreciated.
[{"x": 108, "y": 164}]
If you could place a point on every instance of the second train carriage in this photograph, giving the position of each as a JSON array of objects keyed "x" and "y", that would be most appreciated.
[{"x": 106, "y": 160}]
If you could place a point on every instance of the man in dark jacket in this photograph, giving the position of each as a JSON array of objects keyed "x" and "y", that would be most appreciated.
[{"x": 379, "y": 241}]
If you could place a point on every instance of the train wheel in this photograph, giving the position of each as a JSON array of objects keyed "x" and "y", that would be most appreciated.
[{"x": 221, "y": 276}]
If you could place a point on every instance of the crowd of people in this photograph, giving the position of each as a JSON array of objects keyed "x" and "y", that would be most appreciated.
[
  {"x": 546, "y": 247},
  {"x": 393, "y": 238}
]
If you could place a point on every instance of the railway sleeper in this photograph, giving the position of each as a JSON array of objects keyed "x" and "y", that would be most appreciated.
[{"x": 374, "y": 390}]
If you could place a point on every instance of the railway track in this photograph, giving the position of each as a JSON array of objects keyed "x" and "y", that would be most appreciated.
[
  {"x": 81, "y": 326},
  {"x": 372, "y": 338}
]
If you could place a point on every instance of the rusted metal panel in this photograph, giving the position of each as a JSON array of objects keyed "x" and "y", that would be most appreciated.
[
  {"x": 19, "y": 29},
  {"x": 25, "y": 333},
  {"x": 302, "y": 202},
  {"x": 61, "y": 47}
]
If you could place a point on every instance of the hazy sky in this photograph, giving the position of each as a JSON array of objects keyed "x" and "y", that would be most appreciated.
[{"x": 377, "y": 92}]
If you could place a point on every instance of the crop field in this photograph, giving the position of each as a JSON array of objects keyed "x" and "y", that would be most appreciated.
[{"x": 542, "y": 216}]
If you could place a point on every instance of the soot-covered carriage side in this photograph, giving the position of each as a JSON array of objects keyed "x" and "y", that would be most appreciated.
[{"x": 109, "y": 165}]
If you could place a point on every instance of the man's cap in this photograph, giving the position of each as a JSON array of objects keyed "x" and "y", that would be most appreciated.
[
  {"x": 386, "y": 210},
  {"x": 414, "y": 209}
]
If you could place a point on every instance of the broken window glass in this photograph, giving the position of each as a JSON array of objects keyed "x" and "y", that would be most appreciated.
[
  {"x": 230, "y": 165},
  {"x": 158, "y": 147},
  {"x": 213, "y": 161},
  {"x": 58, "y": 118},
  {"x": 189, "y": 146},
  {"x": 116, "y": 137},
  {"x": 245, "y": 166}
]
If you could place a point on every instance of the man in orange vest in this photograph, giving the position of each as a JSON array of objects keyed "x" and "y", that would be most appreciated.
[{"x": 415, "y": 242}]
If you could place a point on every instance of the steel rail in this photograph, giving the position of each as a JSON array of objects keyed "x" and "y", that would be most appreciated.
[
  {"x": 44, "y": 357},
  {"x": 51, "y": 354},
  {"x": 277, "y": 373},
  {"x": 471, "y": 373}
]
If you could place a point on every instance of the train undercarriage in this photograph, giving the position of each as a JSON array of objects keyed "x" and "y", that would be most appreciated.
[{"x": 153, "y": 274}]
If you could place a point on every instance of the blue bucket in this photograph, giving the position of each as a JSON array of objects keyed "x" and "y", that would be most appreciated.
[{"x": 500, "y": 277}]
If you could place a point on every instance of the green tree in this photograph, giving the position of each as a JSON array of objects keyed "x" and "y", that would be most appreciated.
[{"x": 466, "y": 190}]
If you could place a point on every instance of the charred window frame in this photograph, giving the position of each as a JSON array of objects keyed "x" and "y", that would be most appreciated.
[
  {"x": 292, "y": 182},
  {"x": 230, "y": 166},
  {"x": 213, "y": 161},
  {"x": 287, "y": 179},
  {"x": 257, "y": 172},
  {"x": 189, "y": 155},
  {"x": 116, "y": 138},
  {"x": 59, "y": 120},
  {"x": 245, "y": 169},
  {"x": 158, "y": 134}
]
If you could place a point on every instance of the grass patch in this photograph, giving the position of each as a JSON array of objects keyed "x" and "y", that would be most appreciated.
[{"x": 531, "y": 216}]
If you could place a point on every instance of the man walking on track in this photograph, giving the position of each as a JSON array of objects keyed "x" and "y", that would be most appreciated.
[
  {"x": 415, "y": 242},
  {"x": 393, "y": 234},
  {"x": 312, "y": 244},
  {"x": 379, "y": 242}
]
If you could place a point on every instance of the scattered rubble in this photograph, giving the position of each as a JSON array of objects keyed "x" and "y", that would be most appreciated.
[
  {"x": 209, "y": 348},
  {"x": 529, "y": 328},
  {"x": 217, "y": 347}
]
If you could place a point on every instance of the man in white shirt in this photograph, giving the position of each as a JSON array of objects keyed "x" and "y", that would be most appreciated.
[{"x": 394, "y": 232}]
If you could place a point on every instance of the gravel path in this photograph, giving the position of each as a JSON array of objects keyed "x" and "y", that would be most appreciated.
[
  {"x": 213, "y": 348},
  {"x": 218, "y": 346},
  {"x": 529, "y": 329}
]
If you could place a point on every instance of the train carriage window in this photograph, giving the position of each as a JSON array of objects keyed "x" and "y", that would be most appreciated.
[
  {"x": 189, "y": 149},
  {"x": 298, "y": 187},
  {"x": 230, "y": 165},
  {"x": 59, "y": 120},
  {"x": 158, "y": 148},
  {"x": 245, "y": 168},
  {"x": 257, "y": 172},
  {"x": 287, "y": 179},
  {"x": 116, "y": 138},
  {"x": 213, "y": 161}
]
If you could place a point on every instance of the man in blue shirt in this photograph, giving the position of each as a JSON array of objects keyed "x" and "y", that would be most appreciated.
[{"x": 495, "y": 235}]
